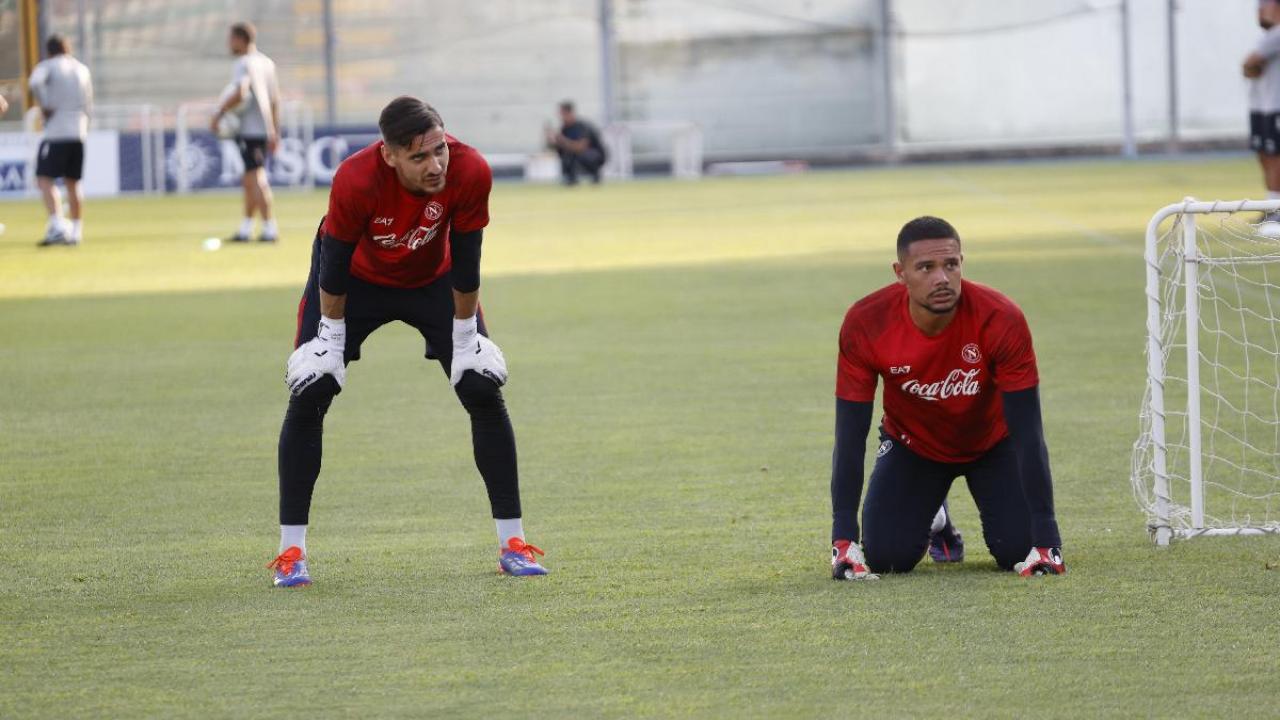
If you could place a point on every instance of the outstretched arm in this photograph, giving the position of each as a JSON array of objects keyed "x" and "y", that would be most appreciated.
[
  {"x": 1026, "y": 432},
  {"x": 853, "y": 422}
]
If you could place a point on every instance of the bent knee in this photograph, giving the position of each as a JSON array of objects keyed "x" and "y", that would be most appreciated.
[
  {"x": 318, "y": 395},
  {"x": 476, "y": 389}
]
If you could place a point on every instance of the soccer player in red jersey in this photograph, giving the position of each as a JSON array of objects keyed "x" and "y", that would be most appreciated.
[
  {"x": 401, "y": 241},
  {"x": 961, "y": 397}
]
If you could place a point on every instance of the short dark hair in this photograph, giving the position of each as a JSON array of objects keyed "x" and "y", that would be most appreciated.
[
  {"x": 566, "y": 106},
  {"x": 55, "y": 45},
  {"x": 245, "y": 31},
  {"x": 405, "y": 118},
  {"x": 925, "y": 227}
]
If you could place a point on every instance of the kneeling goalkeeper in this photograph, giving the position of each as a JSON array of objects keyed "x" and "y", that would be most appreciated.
[{"x": 401, "y": 241}]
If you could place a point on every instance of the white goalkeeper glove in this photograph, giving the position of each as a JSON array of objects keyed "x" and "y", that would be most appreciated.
[
  {"x": 473, "y": 351},
  {"x": 319, "y": 356}
]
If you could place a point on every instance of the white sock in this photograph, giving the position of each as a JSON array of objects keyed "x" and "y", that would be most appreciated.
[
  {"x": 291, "y": 535},
  {"x": 1273, "y": 194},
  {"x": 939, "y": 520},
  {"x": 54, "y": 222},
  {"x": 75, "y": 229},
  {"x": 508, "y": 529},
  {"x": 269, "y": 228},
  {"x": 246, "y": 227}
]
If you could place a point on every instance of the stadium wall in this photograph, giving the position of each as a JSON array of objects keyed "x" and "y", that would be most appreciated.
[{"x": 785, "y": 78}]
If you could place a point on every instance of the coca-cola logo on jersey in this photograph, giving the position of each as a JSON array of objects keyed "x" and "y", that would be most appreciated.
[{"x": 957, "y": 382}]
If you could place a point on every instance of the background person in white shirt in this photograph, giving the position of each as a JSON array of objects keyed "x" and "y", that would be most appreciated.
[
  {"x": 64, "y": 92},
  {"x": 1263, "y": 71},
  {"x": 256, "y": 101}
]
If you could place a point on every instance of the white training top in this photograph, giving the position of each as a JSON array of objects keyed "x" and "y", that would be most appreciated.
[
  {"x": 62, "y": 87},
  {"x": 1264, "y": 90},
  {"x": 255, "y": 73}
]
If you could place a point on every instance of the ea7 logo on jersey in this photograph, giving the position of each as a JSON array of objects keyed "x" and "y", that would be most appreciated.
[
  {"x": 433, "y": 211},
  {"x": 383, "y": 220},
  {"x": 899, "y": 369},
  {"x": 958, "y": 382},
  {"x": 970, "y": 354}
]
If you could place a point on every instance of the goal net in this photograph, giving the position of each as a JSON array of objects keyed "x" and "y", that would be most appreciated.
[{"x": 1207, "y": 459}]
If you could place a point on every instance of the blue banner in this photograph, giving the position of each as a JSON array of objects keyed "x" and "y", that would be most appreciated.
[{"x": 212, "y": 163}]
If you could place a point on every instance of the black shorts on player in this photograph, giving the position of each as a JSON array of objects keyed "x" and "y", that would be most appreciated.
[
  {"x": 1264, "y": 133},
  {"x": 906, "y": 490},
  {"x": 428, "y": 309},
  {"x": 60, "y": 159},
  {"x": 253, "y": 151}
]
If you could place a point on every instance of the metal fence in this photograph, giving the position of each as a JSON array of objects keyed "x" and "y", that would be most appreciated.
[{"x": 762, "y": 78}]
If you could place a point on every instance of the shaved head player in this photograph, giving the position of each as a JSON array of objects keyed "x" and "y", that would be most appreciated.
[
  {"x": 401, "y": 241},
  {"x": 961, "y": 397}
]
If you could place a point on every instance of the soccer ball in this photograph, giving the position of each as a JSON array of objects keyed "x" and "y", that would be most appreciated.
[
  {"x": 226, "y": 94},
  {"x": 229, "y": 123}
]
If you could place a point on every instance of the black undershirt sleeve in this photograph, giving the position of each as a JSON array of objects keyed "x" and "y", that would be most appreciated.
[
  {"x": 465, "y": 248},
  {"x": 1026, "y": 432},
  {"x": 853, "y": 422},
  {"x": 335, "y": 264}
]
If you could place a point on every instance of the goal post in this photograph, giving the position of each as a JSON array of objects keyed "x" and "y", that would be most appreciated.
[
  {"x": 1207, "y": 457},
  {"x": 676, "y": 145}
]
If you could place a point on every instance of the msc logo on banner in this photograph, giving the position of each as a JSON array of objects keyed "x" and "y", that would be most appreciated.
[{"x": 13, "y": 176}]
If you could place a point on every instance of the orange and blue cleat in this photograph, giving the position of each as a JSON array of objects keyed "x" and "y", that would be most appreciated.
[
  {"x": 518, "y": 558},
  {"x": 291, "y": 568}
]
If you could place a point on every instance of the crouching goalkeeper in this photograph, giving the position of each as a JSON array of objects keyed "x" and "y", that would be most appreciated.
[{"x": 961, "y": 397}]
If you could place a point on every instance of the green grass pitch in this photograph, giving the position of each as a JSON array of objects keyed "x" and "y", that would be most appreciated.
[{"x": 672, "y": 351}]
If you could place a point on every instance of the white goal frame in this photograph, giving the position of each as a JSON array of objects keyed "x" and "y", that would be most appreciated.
[
  {"x": 685, "y": 157},
  {"x": 1162, "y": 509}
]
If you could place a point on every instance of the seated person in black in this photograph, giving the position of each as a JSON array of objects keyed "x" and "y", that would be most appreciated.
[{"x": 577, "y": 142}]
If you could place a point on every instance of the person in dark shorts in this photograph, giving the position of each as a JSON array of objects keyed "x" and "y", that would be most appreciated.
[
  {"x": 64, "y": 91},
  {"x": 401, "y": 241},
  {"x": 1263, "y": 71},
  {"x": 578, "y": 144},
  {"x": 961, "y": 398},
  {"x": 254, "y": 98}
]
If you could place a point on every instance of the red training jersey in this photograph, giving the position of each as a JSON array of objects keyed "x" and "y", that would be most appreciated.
[
  {"x": 402, "y": 239},
  {"x": 941, "y": 393}
]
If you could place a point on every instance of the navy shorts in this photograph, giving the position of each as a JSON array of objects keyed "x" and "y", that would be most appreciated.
[
  {"x": 428, "y": 309},
  {"x": 60, "y": 159},
  {"x": 1264, "y": 133},
  {"x": 907, "y": 489}
]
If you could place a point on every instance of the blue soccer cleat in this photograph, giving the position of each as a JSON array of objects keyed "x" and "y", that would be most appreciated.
[
  {"x": 291, "y": 568},
  {"x": 517, "y": 558}
]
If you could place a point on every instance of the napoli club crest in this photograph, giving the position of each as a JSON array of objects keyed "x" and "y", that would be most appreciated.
[
  {"x": 970, "y": 354},
  {"x": 433, "y": 211}
]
